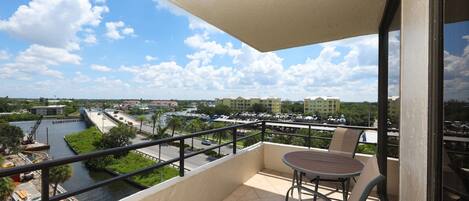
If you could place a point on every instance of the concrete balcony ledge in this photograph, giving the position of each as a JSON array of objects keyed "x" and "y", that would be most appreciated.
[{"x": 256, "y": 171}]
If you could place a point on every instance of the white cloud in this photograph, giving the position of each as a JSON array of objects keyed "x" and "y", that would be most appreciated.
[
  {"x": 150, "y": 58},
  {"x": 38, "y": 22},
  {"x": 456, "y": 73},
  {"x": 81, "y": 78},
  {"x": 4, "y": 55},
  {"x": 207, "y": 49},
  {"x": 100, "y": 68},
  {"x": 90, "y": 39},
  {"x": 260, "y": 74},
  {"x": 117, "y": 30},
  {"x": 128, "y": 31},
  {"x": 109, "y": 83},
  {"x": 194, "y": 22},
  {"x": 36, "y": 60}
]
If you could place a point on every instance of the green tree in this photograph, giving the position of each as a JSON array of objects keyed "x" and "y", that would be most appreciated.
[
  {"x": 292, "y": 107},
  {"x": 160, "y": 133},
  {"x": 5, "y": 105},
  {"x": 174, "y": 123},
  {"x": 141, "y": 119},
  {"x": 59, "y": 174},
  {"x": 251, "y": 140},
  {"x": 154, "y": 119},
  {"x": 10, "y": 138},
  {"x": 219, "y": 109},
  {"x": 193, "y": 126},
  {"x": 6, "y": 185},
  {"x": 117, "y": 137},
  {"x": 258, "y": 108},
  {"x": 359, "y": 114}
]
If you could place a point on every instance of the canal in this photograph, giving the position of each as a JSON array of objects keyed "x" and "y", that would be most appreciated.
[{"x": 81, "y": 175}]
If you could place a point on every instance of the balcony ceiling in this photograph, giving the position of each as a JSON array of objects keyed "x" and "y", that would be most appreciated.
[{"x": 269, "y": 25}]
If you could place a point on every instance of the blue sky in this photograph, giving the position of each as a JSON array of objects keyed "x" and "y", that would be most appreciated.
[{"x": 153, "y": 50}]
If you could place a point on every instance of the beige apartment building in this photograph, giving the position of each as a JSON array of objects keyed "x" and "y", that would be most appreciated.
[
  {"x": 321, "y": 105},
  {"x": 241, "y": 104}
]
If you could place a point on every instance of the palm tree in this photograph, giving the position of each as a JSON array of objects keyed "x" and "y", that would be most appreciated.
[
  {"x": 59, "y": 174},
  {"x": 141, "y": 119},
  {"x": 194, "y": 125},
  {"x": 154, "y": 118},
  {"x": 6, "y": 186},
  {"x": 174, "y": 123},
  {"x": 160, "y": 133}
]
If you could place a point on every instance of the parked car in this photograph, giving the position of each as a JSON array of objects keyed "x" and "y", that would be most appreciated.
[{"x": 206, "y": 142}]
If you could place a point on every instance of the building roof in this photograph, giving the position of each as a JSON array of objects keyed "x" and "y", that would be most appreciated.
[
  {"x": 247, "y": 98},
  {"x": 269, "y": 25},
  {"x": 393, "y": 98},
  {"x": 48, "y": 106},
  {"x": 323, "y": 97}
]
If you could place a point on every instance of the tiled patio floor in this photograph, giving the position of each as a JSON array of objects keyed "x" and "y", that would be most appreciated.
[{"x": 271, "y": 186}]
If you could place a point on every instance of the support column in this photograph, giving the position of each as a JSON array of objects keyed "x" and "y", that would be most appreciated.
[{"x": 415, "y": 98}]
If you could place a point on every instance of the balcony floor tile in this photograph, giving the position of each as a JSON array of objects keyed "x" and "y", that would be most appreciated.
[{"x": 269, "y": 185}]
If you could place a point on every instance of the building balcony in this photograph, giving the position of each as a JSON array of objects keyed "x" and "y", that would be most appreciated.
[
  {"x": 251, "y": 173},
  {"x": 254, "y": 173}
]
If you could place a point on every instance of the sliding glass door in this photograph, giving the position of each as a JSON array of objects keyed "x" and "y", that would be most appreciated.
[{"x": 455, "y": 128}]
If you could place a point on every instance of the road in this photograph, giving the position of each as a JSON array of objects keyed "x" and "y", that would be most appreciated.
[
  {"x": 168, "y": 152},
  {"x": 124, "y": 118},
  {"x": 103, "y": 122}
]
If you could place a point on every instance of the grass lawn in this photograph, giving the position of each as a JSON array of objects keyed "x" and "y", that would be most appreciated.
[
  {"x": 133, "y": 162},
  {"x": 82, "y": 142}
]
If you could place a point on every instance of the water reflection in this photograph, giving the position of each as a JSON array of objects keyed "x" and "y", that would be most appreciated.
[{"x": 81, "y": 175}]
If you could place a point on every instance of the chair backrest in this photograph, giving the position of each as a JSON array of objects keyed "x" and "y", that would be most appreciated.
[
  {"x": 345, "y": 141},
  {"x": 369, "y": 178}
]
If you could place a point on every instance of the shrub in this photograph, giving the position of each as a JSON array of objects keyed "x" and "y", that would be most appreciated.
[
  {"x": 20, "y": 117},
  {"x": 213, "y": 154}
]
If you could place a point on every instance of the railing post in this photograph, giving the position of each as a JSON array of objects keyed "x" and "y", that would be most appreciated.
[
  {"x": 45, "y": 184},
  {"x": 309, "y": 136},
  {"x": 263, "y": 131},
  {"x": 181, "y": 157},
  {"x": 234, "y": 140}
]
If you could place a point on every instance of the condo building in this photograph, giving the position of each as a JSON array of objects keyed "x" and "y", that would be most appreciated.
[
  {"x": 48, "y": 110},
  {"x": 240, "y": 104},
  {"x": 321, "y": 105},
  {"x": 163, "y": 104}
]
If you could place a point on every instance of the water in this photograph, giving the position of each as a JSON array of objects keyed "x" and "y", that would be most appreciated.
[{"x": 81, "y": 175}]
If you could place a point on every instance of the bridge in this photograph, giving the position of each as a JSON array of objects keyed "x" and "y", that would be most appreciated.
[{"x": 99, "y": 119}]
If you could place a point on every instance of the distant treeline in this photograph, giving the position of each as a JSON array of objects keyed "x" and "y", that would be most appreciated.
[
  {"x": 456, "y": 110},
  {"x": 19, "y": 117}
]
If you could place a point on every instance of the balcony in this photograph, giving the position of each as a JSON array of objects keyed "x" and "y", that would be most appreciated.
[{"x": 255, "y": 173}]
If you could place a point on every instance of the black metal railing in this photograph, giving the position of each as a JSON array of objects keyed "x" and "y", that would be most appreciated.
[
  {"x": 45, "y": 166},
  {"x": 392, "y": 152}
]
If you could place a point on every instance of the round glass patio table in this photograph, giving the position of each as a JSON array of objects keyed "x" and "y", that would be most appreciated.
[{"x": 319, "y": 164}]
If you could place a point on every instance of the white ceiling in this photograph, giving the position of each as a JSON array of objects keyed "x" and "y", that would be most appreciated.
[{"x": 269, "y": 25}]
